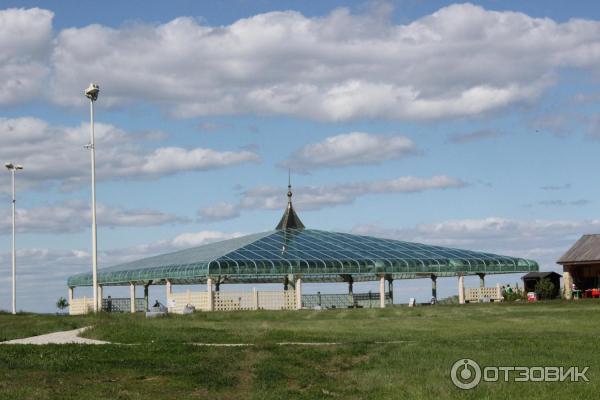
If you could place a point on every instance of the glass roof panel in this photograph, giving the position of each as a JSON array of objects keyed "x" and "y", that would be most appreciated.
[{"x": 307, "y": 251}]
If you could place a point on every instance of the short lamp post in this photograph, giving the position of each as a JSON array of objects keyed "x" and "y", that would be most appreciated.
[
  {"x": 13, "y": 168},
  {"x": 92, "y": 93}
]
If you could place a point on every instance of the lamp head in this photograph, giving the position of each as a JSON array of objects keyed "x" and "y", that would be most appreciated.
[
  {"x": 92, "y": 92},
  {"x": 18, "y": 166},
  {"x": 9, "y": 165}
]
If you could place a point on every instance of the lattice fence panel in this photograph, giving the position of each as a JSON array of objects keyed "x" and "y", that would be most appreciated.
[
  {"x": 231, "y": 301},
  {"x": 276, "y": 300},
  {"x": 81, "y": 306},
  {"x": 178, "y": 301},
  {"x": 475, "y": 294}
]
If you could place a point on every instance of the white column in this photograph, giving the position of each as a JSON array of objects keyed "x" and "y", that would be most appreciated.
[
  {"x": 209, "y": 292},
  {"x": 298, "y": 293},
  {"x": 94, "y": 228},
  {"x": 70, "y": 295},
  {"x": 567, "y": 284},
  {"x": 99, "y": 297},
  {"x": 382, "y": 292},
  {"x": 255, "y": 298},
  {"x": 132, "y": 297},
  {"x": 169, "y": 291},
  {"x": 481, "y": 280},
  {"x": 498, "y": 292},
  {"x": 461, "y": 289},
  {"x": 14, "y": 249}
]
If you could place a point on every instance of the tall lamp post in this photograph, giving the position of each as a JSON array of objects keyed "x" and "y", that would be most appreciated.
[
  {"x": 92, "y": 93},
  {"x": 13, "y": 168}
]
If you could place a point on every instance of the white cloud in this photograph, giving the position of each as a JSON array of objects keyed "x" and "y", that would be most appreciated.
[
  {"x": 75, "y": 216},
  {"x": 560, "y": 203},
  {"x": 56, "y": 153},
  {"x": 318, "y": 197},
  {"x": 542, "y": 240},
  {"x": 25, "y": 44},
  {"x": 336, "y": 67},
  {"x": 468, "y": 137},
  {"x": 353, "y": 148},
  {"x": 42, "y": 273},
  {"x": 219, "y": 212}
]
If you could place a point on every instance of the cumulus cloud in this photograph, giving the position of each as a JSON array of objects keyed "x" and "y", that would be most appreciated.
[
  {"x": 353, "y": 148},
  {"x": 25, "y": 45},
  {"x": 542, "y": 240},
  {"x": 42, "y": 273},
  {"x": 335, "y": 67},
  {"x": 219, "y": 212},
  {"x": 75, "y": 216},
  {"x": 56, "y": 153},
  {"x": 318, "y": 197},
  {"x": 468, "y": 137},
  {"x": 564, "y": 186},
  {"x": 560, "y": 203}
]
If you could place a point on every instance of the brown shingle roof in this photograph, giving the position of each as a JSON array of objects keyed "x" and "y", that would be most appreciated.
[{"x": 586, "y": 249}]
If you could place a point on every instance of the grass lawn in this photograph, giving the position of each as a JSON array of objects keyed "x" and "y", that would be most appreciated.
[{"x": 156, "y": 358}]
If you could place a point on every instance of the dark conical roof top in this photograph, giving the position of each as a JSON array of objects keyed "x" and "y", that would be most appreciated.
[{"x": 290, "y": 219}]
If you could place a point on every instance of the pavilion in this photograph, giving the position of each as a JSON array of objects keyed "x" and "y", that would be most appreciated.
[{"x": 290, "y": 254}]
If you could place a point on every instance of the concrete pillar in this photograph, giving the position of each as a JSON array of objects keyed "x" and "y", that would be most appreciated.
[
  {"x": 255, "y": 298},
  {"x": 382, "y": 292},
  {"x": 461, "y": 289},
  {"x": 434, "y": 286},
  {"x": 568, "y": 284},
  {"x": 209, "y": 293},
  {"x": 481, "y": 280},
  {"x": 298, "y": 293},
  {"x": 99, "y": 297},
  {"x": 169, "y": 289},
  {"x": 70, "y": 295},
  {"x": 132, "y": 297},
  {"x": 499, "y": 292},
  {"x": 146, "y": 286}
]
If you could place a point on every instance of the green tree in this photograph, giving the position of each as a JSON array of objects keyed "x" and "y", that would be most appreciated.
[
  {"x": 62, "y": 303},
  {"x": 544, "y": 289}
]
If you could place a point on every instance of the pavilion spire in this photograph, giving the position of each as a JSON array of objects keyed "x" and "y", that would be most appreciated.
[{"x": 290, "y": 219}]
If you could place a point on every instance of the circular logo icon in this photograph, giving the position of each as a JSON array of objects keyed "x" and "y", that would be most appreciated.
[{"x": 465, "y": 374}]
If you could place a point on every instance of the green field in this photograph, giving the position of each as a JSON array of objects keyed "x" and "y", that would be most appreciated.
[{"x": 395, "y": 353}]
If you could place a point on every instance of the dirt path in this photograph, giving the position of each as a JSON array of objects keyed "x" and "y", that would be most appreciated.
[
  {"x": 68, "y": 337},
  {"x": 64, "y": 337}
]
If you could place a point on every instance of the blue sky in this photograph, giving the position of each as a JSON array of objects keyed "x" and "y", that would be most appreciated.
[{"x": 470, "y": 125}]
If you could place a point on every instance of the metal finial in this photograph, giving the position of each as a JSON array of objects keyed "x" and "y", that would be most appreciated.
[{"x": 289, "y": 193}]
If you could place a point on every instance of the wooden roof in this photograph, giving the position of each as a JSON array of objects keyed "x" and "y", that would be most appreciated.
[
  {"x": 586, "y": 249},
  {"x": 540, "y": 275}
]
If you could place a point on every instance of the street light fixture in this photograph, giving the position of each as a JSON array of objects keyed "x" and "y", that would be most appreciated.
[
  {"x": 13, "y": 168},
  {"x": 92, "y": 93}
]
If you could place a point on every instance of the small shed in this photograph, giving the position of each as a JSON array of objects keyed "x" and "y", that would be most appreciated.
[{"x": 531, "y": 279}]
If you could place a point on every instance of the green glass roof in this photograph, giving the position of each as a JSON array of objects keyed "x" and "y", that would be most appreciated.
[{"x": 316, "y": 255}]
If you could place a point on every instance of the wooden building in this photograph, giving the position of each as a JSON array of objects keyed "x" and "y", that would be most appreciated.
[
  {"x": 581, "y": 265},
  {"x": 531, "y": 279}
]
